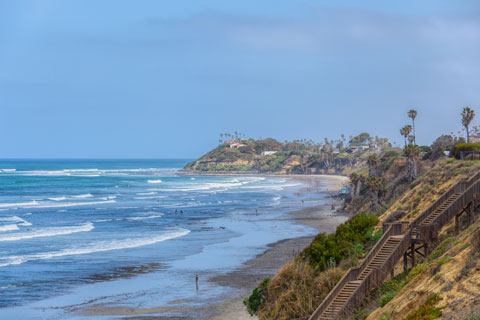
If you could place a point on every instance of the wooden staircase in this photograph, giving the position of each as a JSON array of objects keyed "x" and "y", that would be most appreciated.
[
  {"x": 395, "y": 243},
  {"x": 377, "y": 262},
  {"x": 340, "y": 300},
  {"x": 382, "y": 256},
  {"x": 440, "y": 209}
]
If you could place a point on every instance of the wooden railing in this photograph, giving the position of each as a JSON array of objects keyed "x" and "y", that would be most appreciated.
[
  {"x": 377, "y": 276},
  {"x": 459, "y": 204},
  {"x": 352, "y": 274},
  {"x": 468, "y": 190},
  {"x": 434, "y": 206}
]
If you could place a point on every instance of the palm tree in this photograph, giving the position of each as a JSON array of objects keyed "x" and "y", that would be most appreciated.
[
  {"x": 467, "y": 117},
  {"x": 413, "y": 114},
  {"x": 411, "y": 139},
  {"x": 376, "y": 188},
  {"x": 372, "y": 162},
  {"x": 412, "y": 152},
  {"x": 405, "y": 132},
  {"x": 354, "y": 179}
]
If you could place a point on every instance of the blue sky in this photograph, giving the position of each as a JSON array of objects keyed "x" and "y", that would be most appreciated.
[{"x": 161, "y": 79}]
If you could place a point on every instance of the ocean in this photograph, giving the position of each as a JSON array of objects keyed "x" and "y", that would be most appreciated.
[{"x": 129, "y": 232}]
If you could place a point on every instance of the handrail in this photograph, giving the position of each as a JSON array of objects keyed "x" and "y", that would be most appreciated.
[
  {"x": 350, "y": 275},
  {"x": 376, "y": 248},
  {"x": 434, "y": 206},
  {"x": 467, "y": 188},
  {"x": 376, "y": 276},
  {"x": 457, "y": 205}
]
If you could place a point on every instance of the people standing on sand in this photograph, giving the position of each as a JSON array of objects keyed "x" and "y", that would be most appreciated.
[{"x": 196, "y": 281}]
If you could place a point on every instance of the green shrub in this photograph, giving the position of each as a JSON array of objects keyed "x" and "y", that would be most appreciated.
[
  {"x": 417, "y": 270},
  {"x": 391, "y": 287},
  {"x": 384, "y": 316},
  {"x": 347, "y": 239},
  {"x": 428, "y": 311},
  {"x": 386, "y": 298},
  {"x": 441, "y": 248},
  {"x": 257, "y": 297},
  {"x": 444, "y": 260},
  {"x": 465, "y": 147}
]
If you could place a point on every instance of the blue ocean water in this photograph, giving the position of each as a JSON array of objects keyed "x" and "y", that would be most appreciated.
[{"x": 97, "y": 231}]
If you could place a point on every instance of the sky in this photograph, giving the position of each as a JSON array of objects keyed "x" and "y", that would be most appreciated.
[{"x": 162, "y": 79}]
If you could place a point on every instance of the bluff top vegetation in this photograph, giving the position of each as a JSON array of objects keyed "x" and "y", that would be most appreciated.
[
  {"x": 297, "y": 156},
  {"x": 389, "y": 185}
]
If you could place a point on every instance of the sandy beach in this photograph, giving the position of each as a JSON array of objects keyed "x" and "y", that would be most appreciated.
[
  {"x": 246, "y": 278},
  {"x": 323, "y": 218}
]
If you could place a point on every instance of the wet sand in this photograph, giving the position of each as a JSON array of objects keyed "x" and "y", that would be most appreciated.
[
  {"x": 247, "y": 277},
  {"x": 323, "y": 218}
]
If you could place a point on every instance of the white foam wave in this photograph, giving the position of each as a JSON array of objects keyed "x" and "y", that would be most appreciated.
[
  {"x": 100, "y": 246},
  {"x": 18, "y": 204},
  {"x": 12, "y": 219},
  {"x": 145, "y": 218},
  {"x": 72, "y": 204},
  {"x": 154, "y": 181},
  {"x": 47, "y": 232},
  {"x": 215, "y": 186},
  {"x": 145, "y": 193},
  {"x": 17, "y": 220},
  {"x": 8, "y": 227},
  {"x": 81, "y": 196},
  {"x": 89, "y": 172},
  {"x": 35, "y": 204},
  {"x": 58, "y": 198},
  {"x": 103, "y": 220}
]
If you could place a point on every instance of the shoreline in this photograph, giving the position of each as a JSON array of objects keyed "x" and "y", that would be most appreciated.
[
  {"x": 266, "y": 264},
  {"x": 247, "y": 276},
  {"x": 253, "y": 174}
]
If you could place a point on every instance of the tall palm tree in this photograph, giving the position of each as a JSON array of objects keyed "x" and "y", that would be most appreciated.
[
  {"x": 372, "y": 162},
  {"x": 376, "y": 188},
  {"x": 467, "y": 117},
  {"x": 354, "y": 179},
  {"x": 412, "y": 152},
  {"x": 405, "y": 131},
  {"x": 413, "y": 114}
]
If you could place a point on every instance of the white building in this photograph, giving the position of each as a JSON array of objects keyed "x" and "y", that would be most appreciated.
[
  {"x": 236, "y": 145},
  {"x": 268, "y": 153}
]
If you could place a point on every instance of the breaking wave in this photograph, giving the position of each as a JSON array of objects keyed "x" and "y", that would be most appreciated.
[
  {"x": 99, "y": 246},
  {"x": 47, "y": 232}
]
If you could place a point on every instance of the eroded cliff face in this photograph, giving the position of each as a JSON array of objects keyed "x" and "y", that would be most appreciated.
[
  {"x": 452, "y": 268},
  {"x": 452, "y": 273},
  {"x": 224, "y": 160}
]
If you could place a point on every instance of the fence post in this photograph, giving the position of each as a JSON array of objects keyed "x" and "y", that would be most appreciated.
[
  {"x": 457, "y": 226},
  {"x": 413, "y": 254}
]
